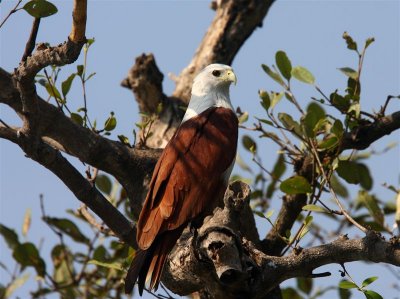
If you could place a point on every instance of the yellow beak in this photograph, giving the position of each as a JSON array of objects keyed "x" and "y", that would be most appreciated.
[{"x": 230, "y": 76}]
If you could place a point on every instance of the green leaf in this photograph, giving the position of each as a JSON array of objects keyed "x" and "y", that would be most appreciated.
[
  {"x": 314, "y": 208},
  {"x": 104, "y": 184},
  {"x": 26, "y": 254},
  {"x": 349, "y": 72},
  {"x": 249, "y": 143},
  {"x": 345, "y": 284},
  {"x": 344, "y": 293},
  {"x": 339, "y": 188},
  {"x": 66, "y": 85},
  {"x": 53, "y": 91},
  {"x": 110, "y": 123},
  {"x": 40, "y": 8},
  {"x": 372, "y": 295},
  {"x": 266, "y": 100},
  {"x": 337, "y": 129},
  {"x": 368, "y": 281},
  {"x": 62, "y": 260},
  {"x": 356, "y": 108},
  {"x": 307, "y": 221},
  {"x": 353, "y": 89},
  {"x": 314, "y": 114},
  {"x": 369, "y": 41},
  {"x": 290, "y": 293},
  {"x": 79, "y": 70},
  {"x": 328, "y": 143},
  {"x": 76, "y": 118},
  {"x": 269, "y": 214},
  {"x": 259, "y": 214},
  {"x": 339, "y": 102},
  {"x": 265, "y": 121},
  {"x": 276, "y": 97},
  {"x": 274, "y": 75},
  {"x": 305, "y": 284},
  {"x": 68, "y": 227},
  {"x": 283, "y": 64},
  {"x": 124, "y": 139},
  {"x": 371, "y": 203},
  {"x": 290, "y": 124},
  {"x": 355, "y": 173},
  {"x": 17, "y": 283},
  {"x": 296, "y": 185},
  {"x": 90, "y": 41},
  {"x": 244, "y": 117},
  {"x": 89, "y": 77},
  {"x": 303, "y": 75},
  {"x": 9, "y": 236},
  {"x": 351, "y": 44},
  {"x": 116, "y": 266},
  {"x": 277, "y": 172}
]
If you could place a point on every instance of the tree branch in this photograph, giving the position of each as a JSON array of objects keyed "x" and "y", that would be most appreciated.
[
  {"x": 129, "y": 165},
  {"x": 234, "y": 22},
  {"x": 222, "y": 261},
  {"x": 82, "y": 188},
  {"x": 372, "y": 248},
  {"x": 363, "y": 136},
  {"x": 78, "y": 30},
  {"x": 30, "y": 45}
]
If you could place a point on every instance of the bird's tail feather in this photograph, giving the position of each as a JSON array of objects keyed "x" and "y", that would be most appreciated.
[
  {"x": 147, "y": 265},
  {"x": 135, "y": 270}
]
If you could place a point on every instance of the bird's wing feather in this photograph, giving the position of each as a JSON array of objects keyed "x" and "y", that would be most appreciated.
[{"x": 189, "y": 173}]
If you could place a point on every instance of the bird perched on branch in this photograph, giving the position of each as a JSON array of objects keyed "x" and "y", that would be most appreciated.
[{"x": 191, "y": 176}]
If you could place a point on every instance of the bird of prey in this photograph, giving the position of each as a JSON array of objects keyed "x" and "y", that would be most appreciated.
[{"x": 191, "y": 176}]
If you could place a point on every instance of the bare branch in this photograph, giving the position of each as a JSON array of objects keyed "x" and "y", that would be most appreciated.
[
  {"x": 30, "y": 45},
  {"x": 145, "y": 80},
  {"x": 234, "y": 22},
  {"x": 77, "y": 34}
]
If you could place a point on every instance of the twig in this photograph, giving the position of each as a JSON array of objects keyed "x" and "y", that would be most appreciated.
[
  {"x": 51, "y": 84},
  {"x": 92, "y": 221},
  {"x": 4, "y": 124},
  {"x": 333, "y": 193},
  {"x": 383, "y": 108},
  {"x": 15, "y": 9},
  {"x": 30, "y": 44}
]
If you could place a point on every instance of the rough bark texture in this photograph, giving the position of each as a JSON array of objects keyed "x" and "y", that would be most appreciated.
[{"x": 225, "y": 258}]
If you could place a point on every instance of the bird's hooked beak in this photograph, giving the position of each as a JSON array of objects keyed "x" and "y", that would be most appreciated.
[{"x": 230, "y": 77}]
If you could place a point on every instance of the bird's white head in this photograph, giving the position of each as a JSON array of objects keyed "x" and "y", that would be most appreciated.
[{"x": 210, "y": 89}]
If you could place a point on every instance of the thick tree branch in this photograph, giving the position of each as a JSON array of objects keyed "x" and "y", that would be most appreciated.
[
  {"x": 234, "y": 22},
  {"x": 82, "y": 188},
  {"x": 222, "y": 260},
  {"x": 274, "y": 270},
  {"x": 129, "y": 166},
  {"x": 78, "y": 30},
  {"x": 362, "y": 137},
  {"x": 145, "y": 80}
]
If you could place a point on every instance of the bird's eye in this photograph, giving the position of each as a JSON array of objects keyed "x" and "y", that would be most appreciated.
[{"x": 216, "y": 73}]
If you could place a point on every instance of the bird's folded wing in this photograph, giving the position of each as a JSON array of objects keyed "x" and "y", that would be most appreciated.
[{"x": 190, "y": 173}]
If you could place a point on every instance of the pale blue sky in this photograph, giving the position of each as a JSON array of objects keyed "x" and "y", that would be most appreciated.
[{"x": 309, "y": 31}]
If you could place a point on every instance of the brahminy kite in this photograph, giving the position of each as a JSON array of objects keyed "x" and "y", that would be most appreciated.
[{"x": 191, "y": 176}]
